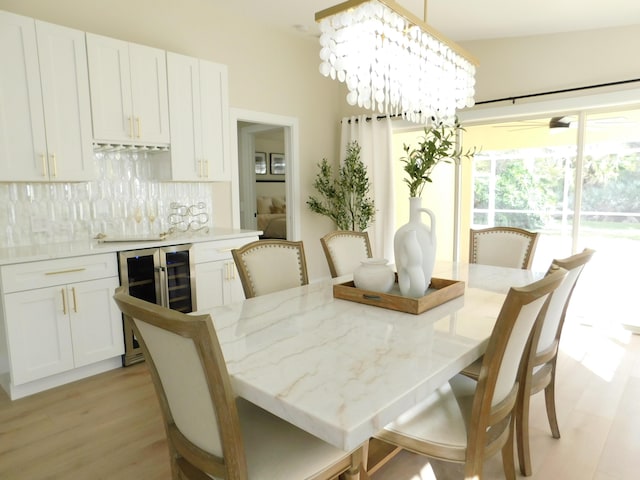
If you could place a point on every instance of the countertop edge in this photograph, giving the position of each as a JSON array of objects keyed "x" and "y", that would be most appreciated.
[{"x": 34, "y": 253}]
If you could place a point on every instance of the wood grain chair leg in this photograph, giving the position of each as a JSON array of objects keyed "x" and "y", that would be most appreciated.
[
  {"x": 550, "y": 402},
  {"x": 522, "y": 434},
  {"x": 508, "y": 464}
]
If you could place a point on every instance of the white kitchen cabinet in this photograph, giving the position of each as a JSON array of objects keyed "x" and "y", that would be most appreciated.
[
  {"x": 217, "y": 280},
  {"x": 217, "y": 283},
  {"x": 59, "y": 315},
  {"x": 128, "y": 92},
  {"x": 199, "y": 119},
  {"x": 45, "y": 114}
]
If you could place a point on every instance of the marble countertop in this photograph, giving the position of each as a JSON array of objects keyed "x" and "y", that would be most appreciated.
[{"x": 32, "y": 253}]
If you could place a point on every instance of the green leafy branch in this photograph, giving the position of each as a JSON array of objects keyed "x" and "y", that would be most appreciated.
[
  {"x": 344, "y": 199},
  {"x": 437, "y": 145}
]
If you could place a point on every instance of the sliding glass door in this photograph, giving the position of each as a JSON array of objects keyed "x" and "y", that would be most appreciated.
[
  {"x": 610, "y": 213},
  {"x": 576, "y": 179}
]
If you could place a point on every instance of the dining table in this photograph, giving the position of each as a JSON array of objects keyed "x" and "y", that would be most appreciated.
[{"x": 342, "y": 370}]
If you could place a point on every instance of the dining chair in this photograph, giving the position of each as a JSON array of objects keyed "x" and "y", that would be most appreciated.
[
  {"x": 266, "y": 266},
  {"x": 540, "y": 374},
  {"x": 345, "y": 249},
  {"x": 466, "y": 421},
  {"x": 211, "y": 433},
  {"x": 503, "y": 247}
]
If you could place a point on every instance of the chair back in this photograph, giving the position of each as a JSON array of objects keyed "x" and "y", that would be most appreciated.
[
  {"x": 503, "y": 247},
  {"x": 554, "y": 319},
  {"x": 192, "y": 384},
  {"x": 345, "y": 249},
  {"x": 507, "y": 352},
  {"x": 267, "y": 266}
]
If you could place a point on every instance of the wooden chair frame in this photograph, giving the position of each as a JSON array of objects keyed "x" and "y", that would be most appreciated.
[
  {"x": 492, "y": 427},
  {"x": 528, "y": 257},
  {"x": 543, "y": 361},
  {"x": 245, "y": 274},
  {"x": 186, "y": 458},
  {"x": 326, "y": 242},
  {"x": 188, "y": 461}
]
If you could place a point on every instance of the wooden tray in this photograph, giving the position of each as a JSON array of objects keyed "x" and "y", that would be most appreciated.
[{"x": 440, "y": 291}]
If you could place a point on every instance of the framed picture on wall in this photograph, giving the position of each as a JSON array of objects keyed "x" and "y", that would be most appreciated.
[
  {"x": 277, "y": 163},
  {"x": 261, "y": 163}
]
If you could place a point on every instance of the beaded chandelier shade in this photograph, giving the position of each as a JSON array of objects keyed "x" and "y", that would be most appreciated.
[{"x": 394, "y": 63}]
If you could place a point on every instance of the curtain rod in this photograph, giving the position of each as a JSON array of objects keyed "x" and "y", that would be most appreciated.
[
  {"x": 551, "y": 92},
  {"x": 529, "y": 95}
]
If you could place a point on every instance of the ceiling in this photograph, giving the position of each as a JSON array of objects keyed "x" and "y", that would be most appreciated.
[{"x": 464, "y": 20}]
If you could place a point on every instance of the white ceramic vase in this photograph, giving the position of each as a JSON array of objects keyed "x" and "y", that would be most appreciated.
[
  {"x": 414, "y": 246},
  {"x": 374, "y": 274}
]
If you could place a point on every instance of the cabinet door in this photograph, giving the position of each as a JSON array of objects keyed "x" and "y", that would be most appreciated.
[
  {"x": 211, "y": 284},
  {"x": 67, "y": 110},
  {"x": 236, "y": 292},
  {"x": 96, "y": 322},
  {"x": 110, "y": 81},
  {"x": 38, "y": 333},
  {"x": 149, "y": 92},
  {"x": 215, "y": 120},
  {"x": 22, "y": 135},
  {"x": 183, "y": 75}
]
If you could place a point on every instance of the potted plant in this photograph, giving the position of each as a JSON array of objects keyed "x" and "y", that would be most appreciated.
[{"x": 344, "y": 199}]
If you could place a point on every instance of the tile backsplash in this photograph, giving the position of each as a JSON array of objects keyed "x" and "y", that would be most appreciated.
[{"x": 125, "y": 200}]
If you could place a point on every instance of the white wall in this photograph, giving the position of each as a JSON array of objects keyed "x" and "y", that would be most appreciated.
[{"x": 525, "y": 65}]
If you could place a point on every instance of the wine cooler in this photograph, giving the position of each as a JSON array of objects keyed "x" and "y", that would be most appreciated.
[{"x": 158, "y": 275}]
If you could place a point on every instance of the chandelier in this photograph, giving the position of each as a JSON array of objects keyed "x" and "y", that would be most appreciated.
[{"x": 394, "y": 63}]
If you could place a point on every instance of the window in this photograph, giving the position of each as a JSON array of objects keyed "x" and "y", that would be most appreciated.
[{"x": 577, "y": 190}]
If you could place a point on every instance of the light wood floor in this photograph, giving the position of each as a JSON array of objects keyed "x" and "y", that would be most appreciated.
[{"x": 109, "y": 427}]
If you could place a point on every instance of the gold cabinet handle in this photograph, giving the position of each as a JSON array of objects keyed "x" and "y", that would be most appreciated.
[
  {"x": 139, "y": 124},
  {"x": 64, "y": 301},
  {"x": 71, "y": 270},
  {"x": 75, "y": 300},
  {"x": 55, "y": 165},
  {"x": 130, "y": 126},
  {"x": 233, "y": 271},
  {"x": 206, "y": 169},
  {"x": 44, "y": 164}
]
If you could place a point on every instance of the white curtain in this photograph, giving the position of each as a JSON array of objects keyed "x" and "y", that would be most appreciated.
[{"x": 375, "y": 139}]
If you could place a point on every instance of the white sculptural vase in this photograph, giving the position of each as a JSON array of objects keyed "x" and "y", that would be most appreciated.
[{"x": 414, "y": 246}]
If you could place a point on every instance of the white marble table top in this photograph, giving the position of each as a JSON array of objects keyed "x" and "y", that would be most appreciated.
[{"x": 343, "y": 370}]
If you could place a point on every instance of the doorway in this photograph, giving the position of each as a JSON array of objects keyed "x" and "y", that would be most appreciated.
[{"x": 268, "y": 158}]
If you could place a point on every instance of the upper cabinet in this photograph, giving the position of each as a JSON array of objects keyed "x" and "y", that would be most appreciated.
[
  {"x": 45, "y": 129},
  {"x": 128, "y": 92},
  {"x": 198, "y": 111}
]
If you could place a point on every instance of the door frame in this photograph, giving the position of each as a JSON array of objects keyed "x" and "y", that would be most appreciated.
[{"x": 242, "y": 150}]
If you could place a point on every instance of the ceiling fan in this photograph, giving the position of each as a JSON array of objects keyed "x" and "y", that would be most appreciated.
[{"x": 558, "y": 123}]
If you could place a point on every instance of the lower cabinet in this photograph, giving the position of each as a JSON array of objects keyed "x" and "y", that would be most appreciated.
[
  {"x": 217, "y": 280},
  {"x": 52, "y": 330},
  {"x": 217, "y": 283},
  {"x": 59, "y": 317}
]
